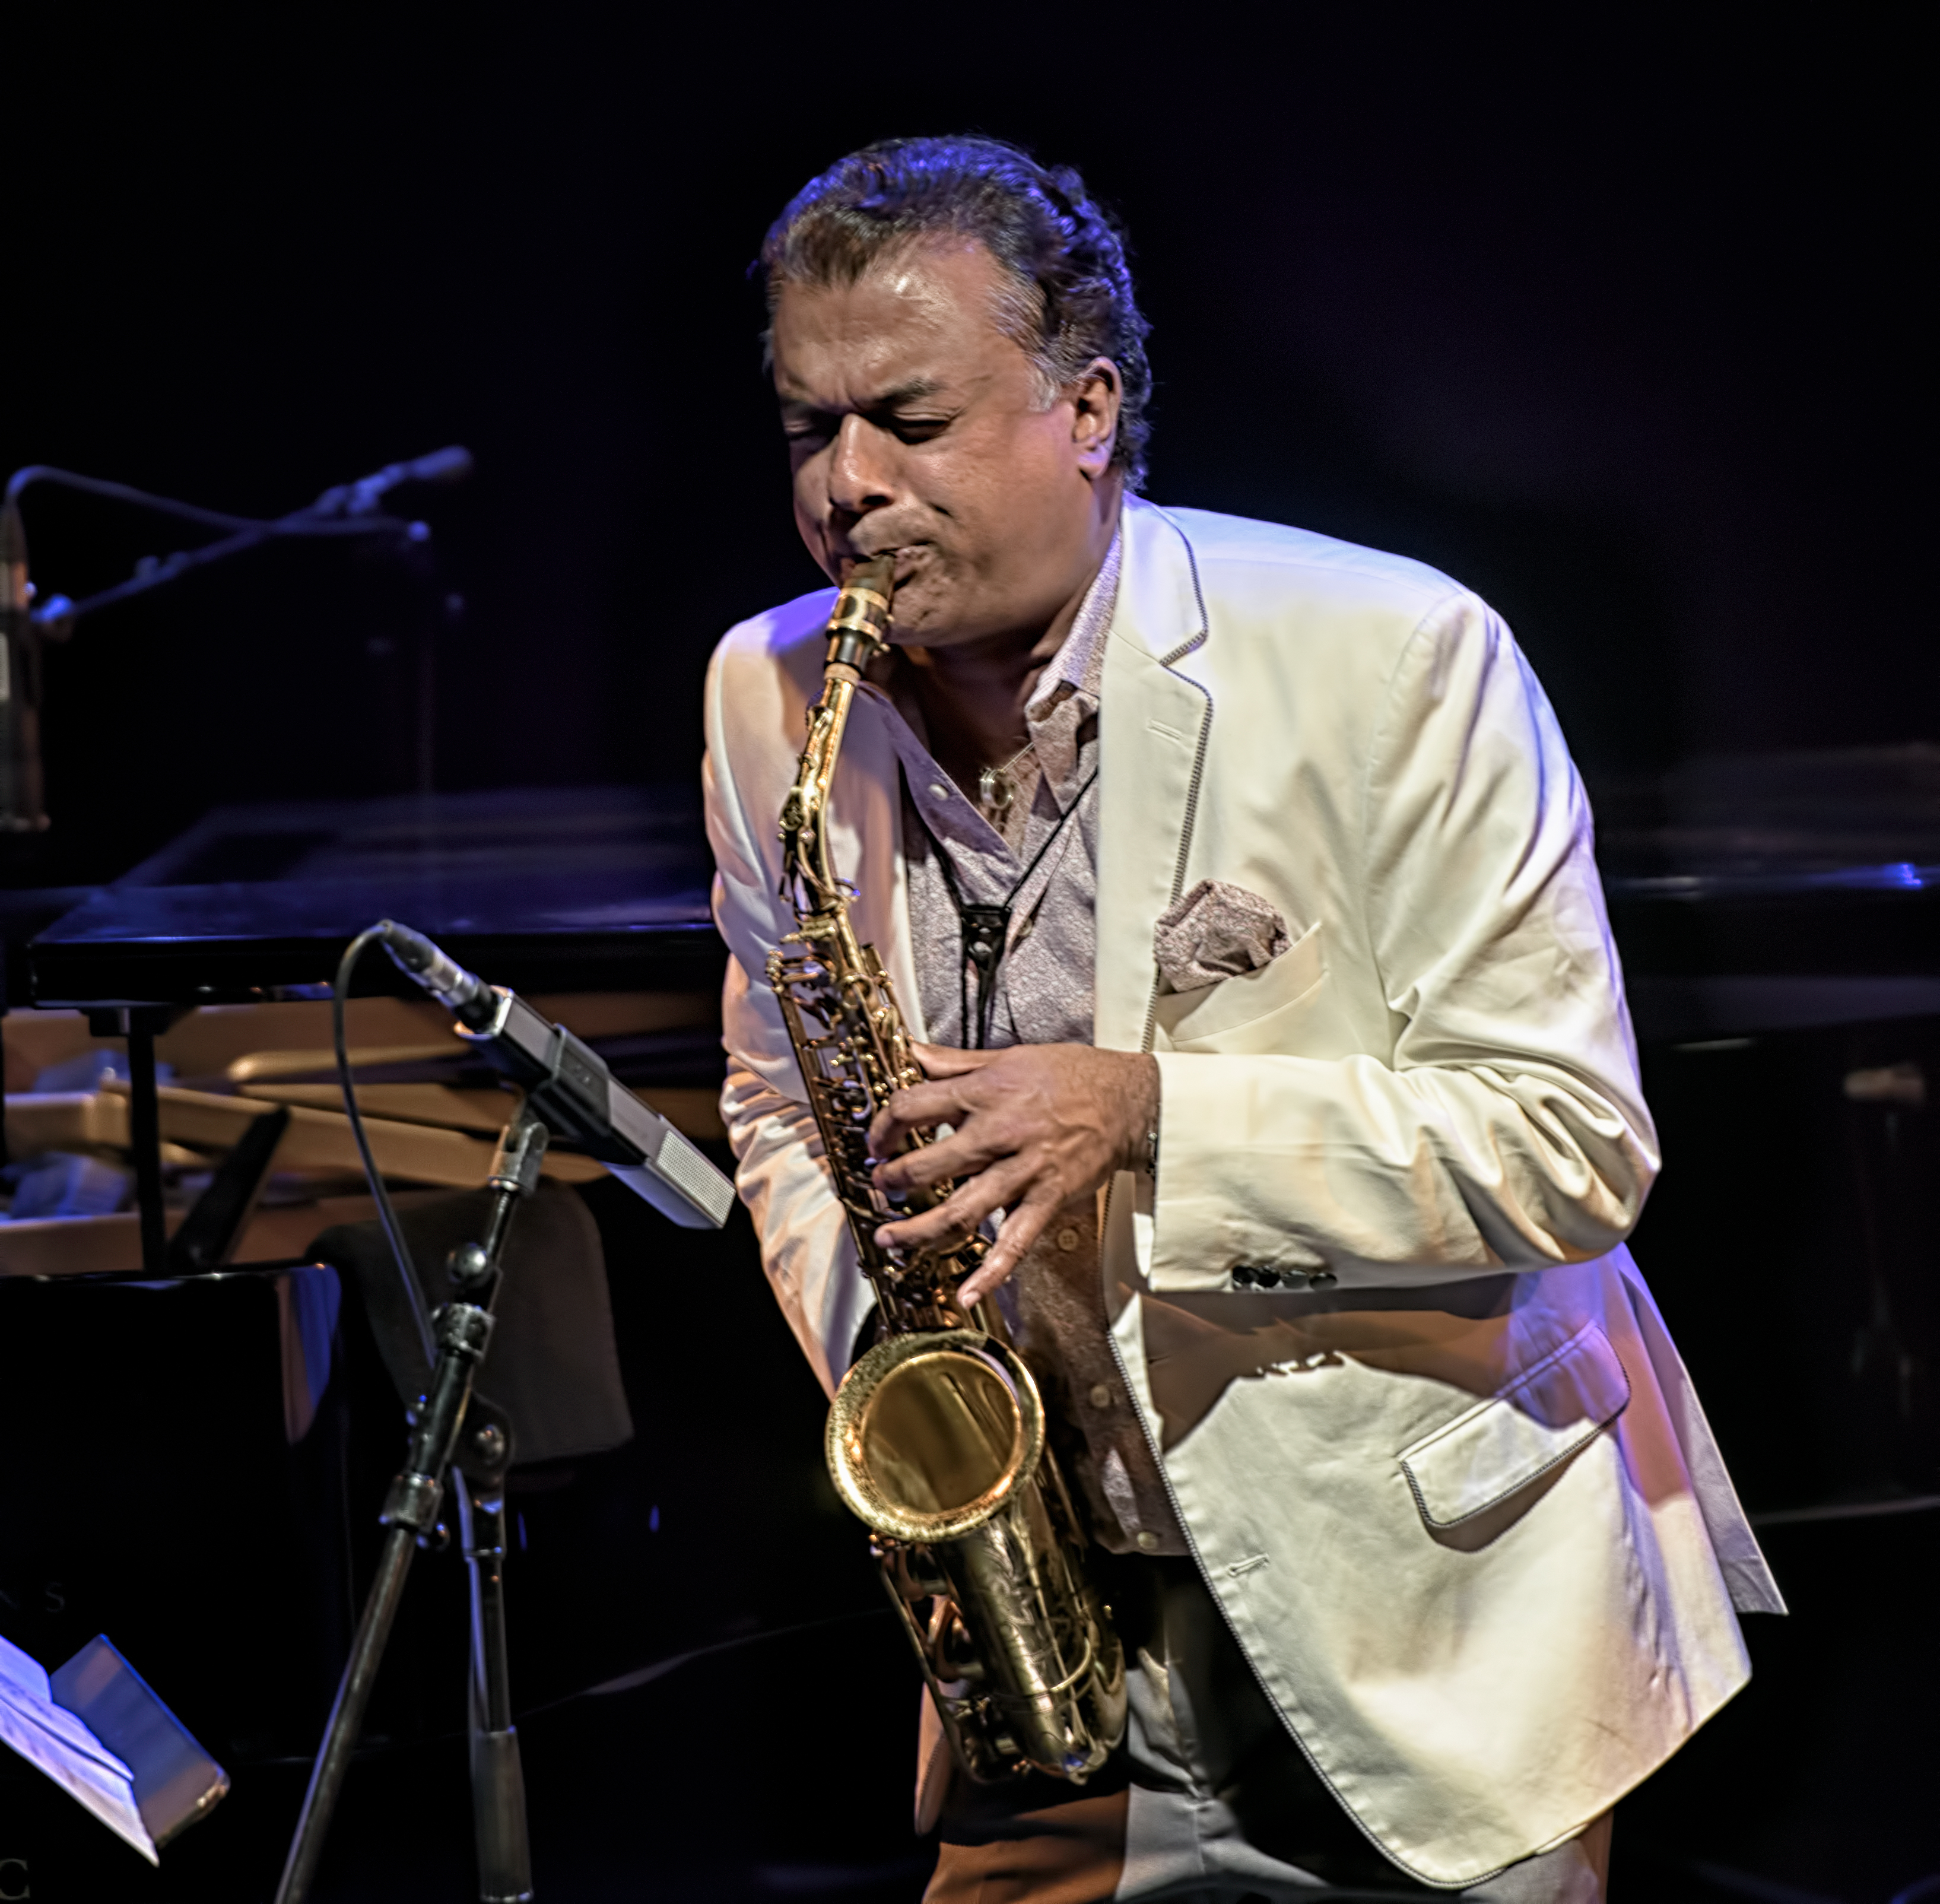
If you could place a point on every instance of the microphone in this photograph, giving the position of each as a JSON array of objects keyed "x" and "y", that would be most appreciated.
[
  {"x": 467, "y": 997},
  {"x": 569, "y": 1086},
  {"x": 451, "y": 464}
]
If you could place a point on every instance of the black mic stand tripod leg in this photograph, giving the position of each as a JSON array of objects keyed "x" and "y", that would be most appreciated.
[
  {"x": 498, "y": 1778},
  {"x": 463, "y": 1332}
]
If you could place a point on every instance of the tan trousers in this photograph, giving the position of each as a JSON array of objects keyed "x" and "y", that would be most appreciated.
[
  {"x": 1209, "y": 1801},
  {"x": 1074, "y": 1854}
]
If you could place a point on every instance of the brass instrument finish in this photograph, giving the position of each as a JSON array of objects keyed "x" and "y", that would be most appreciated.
[{"x": 936, "y": 1438}]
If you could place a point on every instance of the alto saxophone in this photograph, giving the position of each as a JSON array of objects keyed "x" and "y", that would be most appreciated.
[{"x": 936, "y": 1438}]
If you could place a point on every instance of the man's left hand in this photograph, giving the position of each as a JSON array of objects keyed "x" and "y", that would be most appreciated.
[{"x": 1033, "y": 1127}]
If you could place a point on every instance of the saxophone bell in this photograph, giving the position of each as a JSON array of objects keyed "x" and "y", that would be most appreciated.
[
  {"x": 933, "y": 1433},
  {"x": 936, "y": 1443}
]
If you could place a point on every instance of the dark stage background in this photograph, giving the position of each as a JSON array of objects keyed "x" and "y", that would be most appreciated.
[
  {"x": 1616, "y": 324},
  {"x": 1617, "y": 328}
]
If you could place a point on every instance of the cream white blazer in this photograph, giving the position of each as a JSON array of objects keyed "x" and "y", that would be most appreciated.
[{"x": 1461, "y": 1508}]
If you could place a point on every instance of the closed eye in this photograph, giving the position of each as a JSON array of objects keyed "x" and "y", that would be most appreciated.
[
  {"x": 917, "y": 429},
  {"x": 814, "y": 429},
  {"x": 809, "y": 429}
]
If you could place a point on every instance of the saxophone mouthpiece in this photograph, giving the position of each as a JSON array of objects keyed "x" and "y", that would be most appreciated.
[
  {"x": 876, "y": 572},
  {"x": 859, "y": 628}
]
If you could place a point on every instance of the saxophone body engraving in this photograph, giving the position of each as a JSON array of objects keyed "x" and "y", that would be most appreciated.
[{"x": 936, "y": 1438}]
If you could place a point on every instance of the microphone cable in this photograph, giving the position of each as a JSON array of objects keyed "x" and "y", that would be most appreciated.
[{"x": 386, "y": 1216}]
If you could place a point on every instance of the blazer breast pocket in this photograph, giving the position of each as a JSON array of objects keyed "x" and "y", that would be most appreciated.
[{"x": 1246, "y": 1013}]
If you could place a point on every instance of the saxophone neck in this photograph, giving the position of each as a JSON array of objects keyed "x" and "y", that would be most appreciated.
[
  {"x": 858, "y": 631},
  {"x": 808, "y": 872}
]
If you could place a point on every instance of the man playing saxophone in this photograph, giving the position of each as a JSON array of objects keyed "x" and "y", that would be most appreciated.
[{"x": 1236, "y": 889}]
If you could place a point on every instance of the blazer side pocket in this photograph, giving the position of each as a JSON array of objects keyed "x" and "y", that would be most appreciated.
[
  {"x": 1488, "y": 1451},
  {"x": 1189, "y": 1019}
]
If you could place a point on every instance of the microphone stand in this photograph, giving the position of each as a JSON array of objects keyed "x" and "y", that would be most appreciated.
[
  {"x": 27, "y": 624},
  {"x": 452, "y": 1430}
]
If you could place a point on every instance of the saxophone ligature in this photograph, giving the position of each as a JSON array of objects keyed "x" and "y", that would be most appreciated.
[{"x": 936, "y": 1439}]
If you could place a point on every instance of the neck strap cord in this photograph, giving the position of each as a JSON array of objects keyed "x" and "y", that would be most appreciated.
[{"x": 986, "y": 929}]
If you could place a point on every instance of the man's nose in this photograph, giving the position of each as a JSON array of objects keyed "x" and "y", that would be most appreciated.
[{"x": 861, "y": 475}]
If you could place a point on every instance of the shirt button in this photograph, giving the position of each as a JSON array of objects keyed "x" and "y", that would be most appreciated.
[
  {"x": 938, "y": 790},
  {"x": 1147, "y": 1540},
  {"x": 1101, "y": 1396},
  {"x": 1067, "y": 1239}
]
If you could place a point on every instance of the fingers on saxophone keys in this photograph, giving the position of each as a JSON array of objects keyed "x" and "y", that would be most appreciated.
[
  {"x": 987, "y": 1278},
  {"x": 921, "y": 1233},
  {"x": 956, "y": 1219},
  {"x": 992, "y": 1272},
  {"x": 941, "y": 1228},
  {"x": 1020, "y": 1230},
  {"x": 949, "y": 1157},
  {"x": 915, "y": 1107}
]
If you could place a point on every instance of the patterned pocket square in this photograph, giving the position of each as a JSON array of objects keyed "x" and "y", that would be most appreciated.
[{"x": 1216, "y": 931}]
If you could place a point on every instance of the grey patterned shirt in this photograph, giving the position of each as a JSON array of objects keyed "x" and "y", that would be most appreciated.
[{"x": 1043, "y": 995}]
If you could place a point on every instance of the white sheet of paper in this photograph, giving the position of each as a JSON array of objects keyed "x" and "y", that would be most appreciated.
[{"x": 50, "y": 1737}]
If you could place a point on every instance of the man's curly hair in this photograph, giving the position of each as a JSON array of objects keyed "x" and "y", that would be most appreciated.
[{"x": 1070, "y": 297}]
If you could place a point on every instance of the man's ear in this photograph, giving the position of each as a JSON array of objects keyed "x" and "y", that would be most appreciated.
[{"x": 1094, "y": 421}]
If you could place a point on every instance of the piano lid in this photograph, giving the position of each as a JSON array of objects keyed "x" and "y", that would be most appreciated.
[
  {"x": 546, "y": 889},
  {"x": 1854, "y": 820},
  {"x": 1805, "y": 863}
]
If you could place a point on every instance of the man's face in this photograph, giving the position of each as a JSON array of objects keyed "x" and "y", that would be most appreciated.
[{"x": 915, "y": 424}]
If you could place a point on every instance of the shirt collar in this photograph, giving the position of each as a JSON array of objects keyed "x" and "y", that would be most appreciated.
[{"x": 1079, "y": 663}]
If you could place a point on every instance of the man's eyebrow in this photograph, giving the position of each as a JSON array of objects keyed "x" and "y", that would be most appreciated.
[
  {"x": 915, "y": 388},
  {"x": 912, "y": 390}
]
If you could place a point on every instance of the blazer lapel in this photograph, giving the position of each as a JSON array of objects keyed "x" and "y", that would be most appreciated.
[{"x": 1153, "y": 724}]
